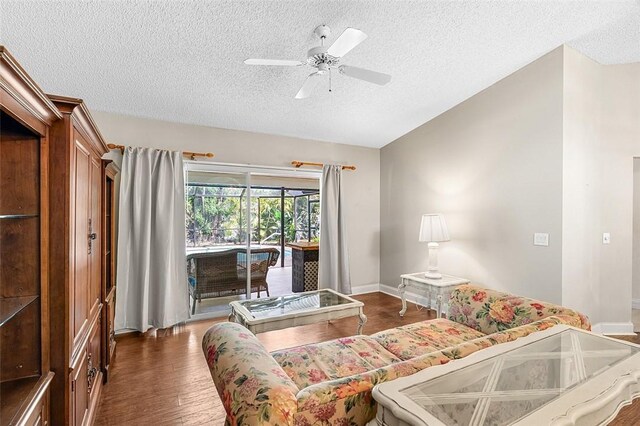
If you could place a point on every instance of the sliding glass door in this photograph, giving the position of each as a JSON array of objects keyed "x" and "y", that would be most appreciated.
[
  {"x": 238, "y": 226},
  {"x": 218, "y": 228}
]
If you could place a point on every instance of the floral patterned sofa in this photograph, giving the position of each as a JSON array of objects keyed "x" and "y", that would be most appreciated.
[{"x": 330, "y": 383}]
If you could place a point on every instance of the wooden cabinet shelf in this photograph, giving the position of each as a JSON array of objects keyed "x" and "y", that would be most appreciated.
[
  {"x": 11, "y": 306},
  {"x": 18, "y": 395},
  {"x": 14, "y": 395}
]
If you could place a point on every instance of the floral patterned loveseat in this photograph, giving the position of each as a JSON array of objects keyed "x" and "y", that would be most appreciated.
[{"x": 330, "y": 383}]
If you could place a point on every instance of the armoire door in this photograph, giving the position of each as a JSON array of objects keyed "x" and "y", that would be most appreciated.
[
  {"x": 95, "y": 240},
  {"x": 87, "y": 251},
  {"x": 79, "y": 395},
  {"x": 81, "y": 200}
]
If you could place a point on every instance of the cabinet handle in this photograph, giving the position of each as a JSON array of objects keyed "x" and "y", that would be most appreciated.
[
  {"x": 92, "y": 236},
  {"x": 92, "y": 372}
]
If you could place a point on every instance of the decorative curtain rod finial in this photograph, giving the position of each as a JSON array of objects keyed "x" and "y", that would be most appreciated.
[
  {"x": 114, "y": 146},
  {"x": 191, "y": 155},
  {"x": 298, "y": 164}
]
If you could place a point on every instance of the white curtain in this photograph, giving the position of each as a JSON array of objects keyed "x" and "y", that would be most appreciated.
[
  {"x": 151, "y": 276},
  {"x": 333, "y": 268}
]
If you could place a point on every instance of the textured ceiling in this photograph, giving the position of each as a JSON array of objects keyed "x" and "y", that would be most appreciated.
[{"x": 183, "y": 60}]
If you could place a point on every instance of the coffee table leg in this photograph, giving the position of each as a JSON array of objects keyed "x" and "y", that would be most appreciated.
[
  {"x": 232, "y": 316},
  {"x": 362, "y": 321},
  {"x": 401, "y": 288}
]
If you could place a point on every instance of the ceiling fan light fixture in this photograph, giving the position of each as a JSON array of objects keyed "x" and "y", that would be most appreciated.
[{"x": 323, "y": 68}]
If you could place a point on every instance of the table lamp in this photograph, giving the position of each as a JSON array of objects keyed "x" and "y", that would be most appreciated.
[{"x": 433, "y": 230}]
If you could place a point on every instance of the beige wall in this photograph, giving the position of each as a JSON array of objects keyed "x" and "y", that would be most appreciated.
[
  {"x": 231, "y": 146},
  {"x": 548, "y": 149},
  {"x": 582, "y": 233},
  {"x": 493, "y": 166},
  {"x": 636, "y": 228},
  {"x": 601, "y": 136}
]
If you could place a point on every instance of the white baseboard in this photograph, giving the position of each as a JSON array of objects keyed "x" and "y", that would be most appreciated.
[
  {"x": 614, "y": 328},
  {"x": 635, "y": 303},
  {"x": 367, "y": 288}
]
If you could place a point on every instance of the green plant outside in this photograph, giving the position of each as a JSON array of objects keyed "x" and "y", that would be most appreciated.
[{"x": 216, "y": 215}]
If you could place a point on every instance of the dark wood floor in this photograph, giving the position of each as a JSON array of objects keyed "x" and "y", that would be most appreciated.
[{"x": 161, "y": 377}]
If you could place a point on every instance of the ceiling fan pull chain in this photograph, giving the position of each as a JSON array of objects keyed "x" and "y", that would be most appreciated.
[{"x": 329, "y": 80}]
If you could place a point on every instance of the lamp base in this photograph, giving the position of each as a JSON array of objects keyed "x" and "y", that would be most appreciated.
[{"x": 432, "y": 269}]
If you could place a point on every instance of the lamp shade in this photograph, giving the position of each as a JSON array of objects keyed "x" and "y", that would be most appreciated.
[{"x": 433, "y": 228}]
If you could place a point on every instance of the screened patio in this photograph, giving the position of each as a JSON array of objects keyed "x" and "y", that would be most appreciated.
[{"x": 216, "y": 222}]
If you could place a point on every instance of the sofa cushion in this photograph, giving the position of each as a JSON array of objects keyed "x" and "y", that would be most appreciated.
[
  {"x": 348, "y": 400},
  {"x": 315, "y": 363},
  {"x": 423, "y": 337}
]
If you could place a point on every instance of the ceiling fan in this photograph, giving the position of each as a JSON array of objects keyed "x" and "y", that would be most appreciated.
[{"x": 325, "y": 59}]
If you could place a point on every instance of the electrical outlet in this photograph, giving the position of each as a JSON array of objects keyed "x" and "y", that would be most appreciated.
[
  {"x": 606, "y": 238},
  {"x": 540, "y": 239}
]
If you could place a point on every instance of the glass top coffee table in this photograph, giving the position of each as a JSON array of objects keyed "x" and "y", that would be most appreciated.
[
  {"x": 275, "y": 313},
  {"x": 560, "y": 376}
]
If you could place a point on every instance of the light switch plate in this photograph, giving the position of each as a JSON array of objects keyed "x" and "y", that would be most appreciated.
[
  {"x": 540, "y": 239},
  {"x": 606, "y": 238}
]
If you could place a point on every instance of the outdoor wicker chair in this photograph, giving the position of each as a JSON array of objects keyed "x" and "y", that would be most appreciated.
[{"x": 224, "y": 273}]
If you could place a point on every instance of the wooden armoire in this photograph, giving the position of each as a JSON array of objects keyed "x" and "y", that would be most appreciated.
[
  {"x": 26, "y": 115},
  {"x": 76, "y": 256},
  {"x": 57, "y": 286}
]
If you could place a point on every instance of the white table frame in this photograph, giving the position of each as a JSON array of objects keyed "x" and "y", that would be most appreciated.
[
  {"x": 595, "y": 401},
  {"x": 440, "y": 289},
  {"x": 240, "y": 314}
]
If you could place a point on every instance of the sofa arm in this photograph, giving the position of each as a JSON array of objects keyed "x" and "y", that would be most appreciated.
[
  {"x": 252, "y": 386},
  {"x": 490, "y": 311}
]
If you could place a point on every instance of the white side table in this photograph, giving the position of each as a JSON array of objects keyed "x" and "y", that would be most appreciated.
[{"x": 438, "y": 289}]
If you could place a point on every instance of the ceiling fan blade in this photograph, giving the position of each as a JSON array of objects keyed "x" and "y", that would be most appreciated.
[
  {"x": 366, "y": 75},
  {"x": 309, "y": 84},
  {"x": 349, "y": 39},
  {"x": 276, "y": 62}
]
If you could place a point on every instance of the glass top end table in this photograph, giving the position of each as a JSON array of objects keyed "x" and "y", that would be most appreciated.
[
  {"x": 274, "y": 313},
  {"x": 518, "y": 384}
]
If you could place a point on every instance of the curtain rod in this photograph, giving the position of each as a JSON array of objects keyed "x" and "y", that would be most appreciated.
[
  {"x": 298, "y": 164},
  {"x": 189, "y": 154}
]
